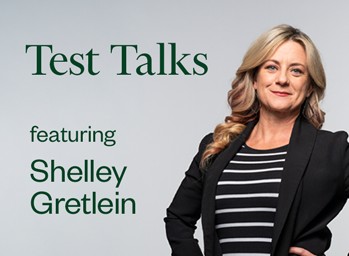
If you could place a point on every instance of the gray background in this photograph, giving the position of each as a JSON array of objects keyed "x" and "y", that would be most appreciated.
[{"x": 159, "y": 120}]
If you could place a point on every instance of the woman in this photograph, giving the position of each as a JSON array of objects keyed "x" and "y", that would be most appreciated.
[{"x": 268, "y": 181}]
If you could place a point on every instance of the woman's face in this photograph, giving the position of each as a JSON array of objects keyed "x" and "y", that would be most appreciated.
[{"x": 282, "y": 82}]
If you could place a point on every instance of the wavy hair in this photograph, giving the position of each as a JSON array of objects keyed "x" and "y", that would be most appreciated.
[{"x": 242, "y": 97}]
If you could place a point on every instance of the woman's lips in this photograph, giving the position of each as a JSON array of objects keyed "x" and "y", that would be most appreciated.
[{"x": 281, "y": 94}]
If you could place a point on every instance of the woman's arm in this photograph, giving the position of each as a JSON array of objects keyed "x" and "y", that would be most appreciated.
[{"x": 185, "y": 209}]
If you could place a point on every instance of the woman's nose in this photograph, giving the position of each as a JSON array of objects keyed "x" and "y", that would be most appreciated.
[{"x": 282, "y": 78}]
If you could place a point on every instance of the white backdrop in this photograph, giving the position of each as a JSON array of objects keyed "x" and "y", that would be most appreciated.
[{"x": 159, "y": 120}]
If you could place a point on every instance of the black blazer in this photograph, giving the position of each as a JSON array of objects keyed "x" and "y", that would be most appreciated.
[{"x": 314, "y": 188}]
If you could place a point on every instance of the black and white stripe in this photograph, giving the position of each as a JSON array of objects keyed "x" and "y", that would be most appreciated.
[{"x": 246, "y": 200}]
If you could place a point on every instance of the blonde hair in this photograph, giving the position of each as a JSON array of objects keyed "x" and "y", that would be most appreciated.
[{"x": 242, "y": 97}]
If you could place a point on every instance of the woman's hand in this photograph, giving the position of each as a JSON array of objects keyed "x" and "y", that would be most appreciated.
[{"x": 300, "y": 251}]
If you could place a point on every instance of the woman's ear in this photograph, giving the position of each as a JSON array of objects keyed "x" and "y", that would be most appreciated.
[{"x": 255, "y": 84}]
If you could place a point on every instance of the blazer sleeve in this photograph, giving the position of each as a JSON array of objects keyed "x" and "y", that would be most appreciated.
[
  {"x": 185, "y": 209},
  {"x": 346, "y": 163}
]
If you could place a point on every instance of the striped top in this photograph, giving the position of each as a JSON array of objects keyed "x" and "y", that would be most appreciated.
[{"x": 246, "y": 200}]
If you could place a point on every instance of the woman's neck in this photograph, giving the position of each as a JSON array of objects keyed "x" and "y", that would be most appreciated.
[{"x": 271, "y": 132}]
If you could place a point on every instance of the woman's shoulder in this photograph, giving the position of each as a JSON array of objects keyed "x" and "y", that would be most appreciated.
[
  {"x": 336, "y": 137},
  {"x": 328, "y": 133},
  {"x": 207, "y": 139}
]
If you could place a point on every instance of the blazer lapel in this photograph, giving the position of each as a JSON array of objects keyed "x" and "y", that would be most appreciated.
[
  {"x": 298, "y": 155},
  {"x": 212, "y": 176}
]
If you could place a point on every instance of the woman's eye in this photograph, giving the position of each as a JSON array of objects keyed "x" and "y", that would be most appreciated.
[
  {"x": 297, "y": 71},
  {"x": 271, "y": 67}
]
